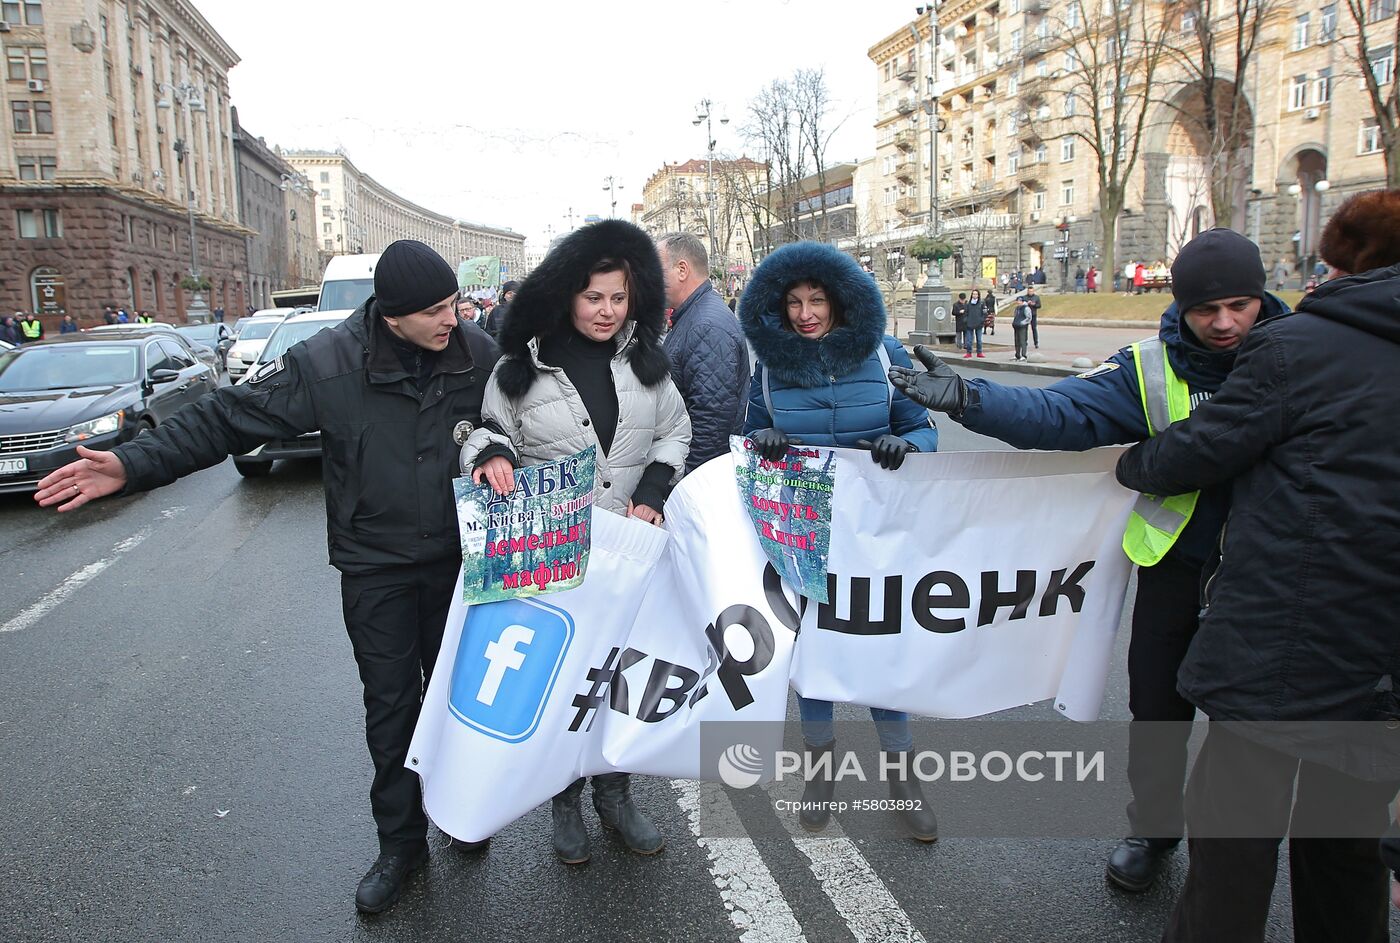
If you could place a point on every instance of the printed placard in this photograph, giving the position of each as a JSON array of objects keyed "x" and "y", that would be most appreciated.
[
  {"x": 789, "y": 502},
  {"x": 535, "y": 539}
]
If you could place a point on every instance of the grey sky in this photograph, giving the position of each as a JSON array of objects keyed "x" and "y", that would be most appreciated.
[{"x": 511, "y": 112}]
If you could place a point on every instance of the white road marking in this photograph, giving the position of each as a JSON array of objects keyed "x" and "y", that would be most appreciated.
[
  {"x": 80, "y": 578},
  {"x": 753, "y": 899},
  {"x": 859, "y": 896}
]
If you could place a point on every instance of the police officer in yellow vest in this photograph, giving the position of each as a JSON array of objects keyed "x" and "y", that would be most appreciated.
[
  {"x": 144, "y": 317},
  {"x": 1218, "y": 283},
  {"x": 32, "y": 328}
]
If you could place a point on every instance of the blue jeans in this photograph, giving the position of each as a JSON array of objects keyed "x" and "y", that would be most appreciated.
[
  {"x": 968, "y": 336},
  {"x": 818, "y": 730}
]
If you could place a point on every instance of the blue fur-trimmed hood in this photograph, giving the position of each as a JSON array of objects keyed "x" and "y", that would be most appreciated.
[{"x": 787, "y": 355}]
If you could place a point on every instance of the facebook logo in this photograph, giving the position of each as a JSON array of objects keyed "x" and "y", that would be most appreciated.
[{"x": 508, "y": 659}]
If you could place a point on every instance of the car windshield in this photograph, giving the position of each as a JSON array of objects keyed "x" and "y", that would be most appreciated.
[
  {"x": 345, "y": 295},
  {"x": 257, "y": 330},
  {"x": 66, "y": 367},
  {"x": 206, "y": 334},
  {"x": 290, "y": 333}
]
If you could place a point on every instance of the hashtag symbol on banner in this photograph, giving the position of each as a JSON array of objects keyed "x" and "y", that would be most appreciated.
[{"x": 587, "y": 704}]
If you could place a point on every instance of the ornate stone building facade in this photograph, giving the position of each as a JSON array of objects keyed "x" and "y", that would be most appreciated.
[
  {"x": 1016, "y": 182},
  {"x": 678, "y": 198},
  {"x": 116, "y": 159},
  {"x": 278, "y": 204}
]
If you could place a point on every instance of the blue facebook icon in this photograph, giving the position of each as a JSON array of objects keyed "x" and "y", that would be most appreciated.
[{"x": 507, "y": 661}]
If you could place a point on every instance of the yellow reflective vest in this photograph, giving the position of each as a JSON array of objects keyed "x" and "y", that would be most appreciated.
[
  {"x": 33, "y": 330},
  {"x": 1156, "y": 522}
]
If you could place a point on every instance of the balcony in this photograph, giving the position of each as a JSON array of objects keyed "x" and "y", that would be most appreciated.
[
  {"x": 906, "y": 72},
  {"x": 905, "y": 106},
  {"x": 905, "y": 140},
  {"x": 907, "y": 205},
  {"x": 1031, "y": 170},
  {"x": 905, "y": 171},
  {"x": 1035, "y": 7},
  {"x": 1034, "y": 48}
]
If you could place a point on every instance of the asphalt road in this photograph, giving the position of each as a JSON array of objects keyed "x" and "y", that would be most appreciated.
[{"x": 184, "y": 760}]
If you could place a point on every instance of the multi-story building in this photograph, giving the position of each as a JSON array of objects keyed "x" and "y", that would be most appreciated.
[
  {"x": 682, "y": 197},
  {"x": 1017, "y": 181},
  {"x": 277, "y": 203},
  {"x": 823, "y": 209},
  {"x": 356, "y": 213},
  {"x": 117, "y": 178}
]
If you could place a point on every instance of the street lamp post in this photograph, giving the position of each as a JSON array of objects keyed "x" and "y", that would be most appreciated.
[
  {"x": 933, "y": 300},
  {"x": 612, "y": 186},
  {"x": 704, "y": 112},
  {"x": 187, "y": 95}
]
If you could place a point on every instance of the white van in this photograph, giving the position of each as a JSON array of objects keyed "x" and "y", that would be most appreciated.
[{"x": 348, "y": 281}]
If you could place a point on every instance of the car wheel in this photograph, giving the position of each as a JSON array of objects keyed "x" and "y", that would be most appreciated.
[{"x": 252, "y": 469}]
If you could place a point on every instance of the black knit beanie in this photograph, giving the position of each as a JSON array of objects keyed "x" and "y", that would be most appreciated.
[
  {"x": 509, "y": 286},
  {"x": 409, "y": 277},
  {"x": 1219, "y": 263}
]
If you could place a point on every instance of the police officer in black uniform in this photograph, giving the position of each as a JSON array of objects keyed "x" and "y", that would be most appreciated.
[{"x": 386, "y": 388}]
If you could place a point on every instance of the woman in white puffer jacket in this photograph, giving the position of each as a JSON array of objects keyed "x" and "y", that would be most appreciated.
[{"x": 583, "y": 366}]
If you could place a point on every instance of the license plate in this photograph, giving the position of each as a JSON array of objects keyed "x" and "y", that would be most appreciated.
[{"x": 13, "y": 466}]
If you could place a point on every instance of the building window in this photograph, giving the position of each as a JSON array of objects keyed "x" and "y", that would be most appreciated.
[
  {"x": 326, "y": 212},
  {"x": 33, "y": 12},
  {"x": 1038, "y": 200},
  {"x": 1188, "y": 21},
  {"x": 1066, "y": 192},
  {"x": 1379, "y": 10},
  {"x": 1066, "y": 150},
  {"x": 1300, "y": 30},
  {"x": 1322, "y": 87},
  {"x": 1069, "y": 105},
  {"x": 38, "y": 63},
  {"x": 326, "y": 228},
  {"x": 330, "y": 245},
  {"x": 1042, "y": 153},
  {"x": 1013, "y": 7},
  {"x": 43, "y": 118},
  {"x": 326, "y": 194},
  {"x": 1071, "y": 61},
  {"x": 1327, "y": 24},
  {"x": 1013, "y": 163},
  {"x": 1370, "y": 137},
  {"x": 23, "y": 117},
  {"x": 14, "y": 64},
  {"x": 1383, "y": 65},
  {"x": 1297, "y": 92},
  {"x": 1073, "y": 14},
  {"x": 1015, "y": 41},
  {"x": 325, "y": 176},
  {"x": 107, "y": 79},
  {"x": 37, "y": 224}
]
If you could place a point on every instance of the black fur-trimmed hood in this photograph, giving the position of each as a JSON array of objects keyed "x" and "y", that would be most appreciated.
[
  {"x": 542, "y": 305},
  {"x": 789, "y": 356}
]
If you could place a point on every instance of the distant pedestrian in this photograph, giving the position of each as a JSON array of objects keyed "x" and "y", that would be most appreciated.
[
  {"x": 960, "y": 317},
  {"x": 466, "y": 311},
  {"x": 1091, "y": 280},
  {"x": 1038, "y": 277},
  {"x": 497, "y": 321},
  {"x": 1280, "y": 274},
  {"x": 122, "y": 316},
  {"x": 1033, "y": 301},
  {"x": 68, "y": 326},
  {"x": 975, "y": 318},
  {"x": 144, "y": 317},
  {"x": 1139, "y": 278},
  {"x": 1021, "y": 326},
  {"x": 1079, "y": 280},
  {"x": 109, "y": 314},
  {"x": 10, "y": 332},
  {"x": 989, "y": 309},
  {"x": 1005, "y": 282},
  {"x": 218, "y": 315},
  {"x": 32, "y": 328}
]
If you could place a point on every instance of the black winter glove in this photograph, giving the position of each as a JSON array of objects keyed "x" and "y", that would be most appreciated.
[
  {"x": 888, "y": 450},
  {"x": 772, "y": 444},
  {"x": 937, "y": 388}
]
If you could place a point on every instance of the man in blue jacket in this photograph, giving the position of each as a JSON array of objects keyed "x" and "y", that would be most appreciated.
[
  {"x": 1218, "y": 282},
  {"x": 709, "y": 361}
]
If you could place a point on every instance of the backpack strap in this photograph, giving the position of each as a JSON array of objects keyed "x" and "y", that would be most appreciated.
[{"x": 885, "y": 367}]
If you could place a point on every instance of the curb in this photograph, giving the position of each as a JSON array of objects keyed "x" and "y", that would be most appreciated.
[
  {"x": 1037, "y": 369},
  {"x": 1100, "y": 322}
]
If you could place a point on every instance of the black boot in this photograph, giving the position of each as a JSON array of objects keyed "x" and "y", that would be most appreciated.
[
  {"x": 381, "y": 887},
  {"x": 570, "y": 837},
  {"x": 911, "y": 806},
  {"x": 815, "y": 811},
  {"x": 612, "y": 798},
  {"x": 1136, "y": 862}
]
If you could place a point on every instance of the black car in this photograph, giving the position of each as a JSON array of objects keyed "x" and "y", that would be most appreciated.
[
  {"x": 95, "y": 389},
  {"x": 216, "y": 337}
]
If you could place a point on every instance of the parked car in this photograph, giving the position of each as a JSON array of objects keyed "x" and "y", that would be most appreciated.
[
  {"x": 214, "y": 336},
  {"x": 129, "y": 326},
  {"x": 6, "y": 345},
  {"x": 249, "y": 343},
  {"x": 292, "y": 331},
  {"x": 158, "y": 329},
  {"x": 97, "y": 390}
]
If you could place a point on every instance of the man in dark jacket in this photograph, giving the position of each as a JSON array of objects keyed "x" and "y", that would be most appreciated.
[
  {"x": 1298, "y": 630},
  {"x": 387, "y": 389},
  {"x": 496, "y": 320},
  {"x": 1219, "y": 286},
  {"x": 10, "y": 332},
  {"x": 709, "y": 361}
]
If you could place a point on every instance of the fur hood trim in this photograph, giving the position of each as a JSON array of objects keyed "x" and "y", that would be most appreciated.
[
  {"x": 798, "y": 360},
  {"x": 543, "y": 304}
]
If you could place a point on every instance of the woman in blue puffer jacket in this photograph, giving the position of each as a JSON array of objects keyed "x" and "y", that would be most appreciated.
[{"x": 816, "y": 323}]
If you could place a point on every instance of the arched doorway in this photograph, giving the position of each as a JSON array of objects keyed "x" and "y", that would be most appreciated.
[
  {"x": 1309, "y": 173},
  {"x": 133, "y": 280},
  {"x": 46, "y": 291}
]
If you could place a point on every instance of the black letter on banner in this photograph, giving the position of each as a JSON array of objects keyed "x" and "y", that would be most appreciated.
[
  {"x": 1068, "y": 588},
  {"x": 1019, "y": 599},
  {"x": 859, "y": 623},
  {"x": 659, "y": 690},
  {"x": 732, "y": 672},
  {"x": 777, "y": 600},
  {"x": 617, "y": 697},
  {"x": 925, "y": 602}
]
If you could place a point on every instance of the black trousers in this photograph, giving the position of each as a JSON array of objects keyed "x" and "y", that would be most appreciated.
[
  {"x": 1166, "y": 615},
  {"x": 395, "y": 619},
  {"x": 1020, "y": 334},
  {"x": 1340, "y": 886}
]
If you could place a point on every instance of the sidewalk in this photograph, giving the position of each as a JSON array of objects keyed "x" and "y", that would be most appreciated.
[{"x": 1060, "y": 346}]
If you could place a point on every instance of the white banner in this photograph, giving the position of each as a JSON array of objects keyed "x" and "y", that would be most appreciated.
[{"x": 963, "y": 584}]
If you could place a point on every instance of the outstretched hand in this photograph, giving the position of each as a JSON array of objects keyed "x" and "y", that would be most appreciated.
[
  {"x": 936, "y": 387},
  {"x": 94, "y": 475},
  {"x": 498, "y": 472}
]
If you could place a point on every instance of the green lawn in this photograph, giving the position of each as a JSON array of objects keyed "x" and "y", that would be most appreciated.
[{"x": 1117, "y": 307}]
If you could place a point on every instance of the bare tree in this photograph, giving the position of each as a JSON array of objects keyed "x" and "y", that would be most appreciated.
[
  {"x": 1226, "y": 34},
  {"x": 1114, "y": 51},
  {"x": 1385, "y": 105}
]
